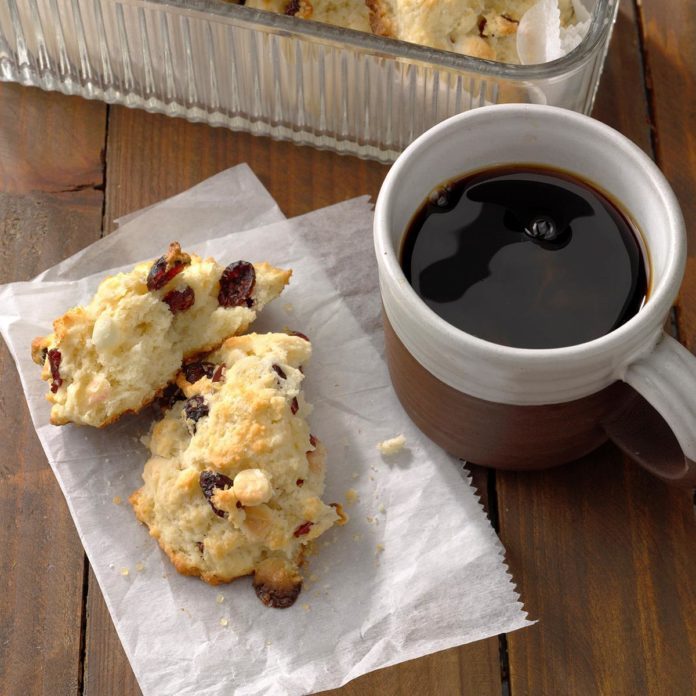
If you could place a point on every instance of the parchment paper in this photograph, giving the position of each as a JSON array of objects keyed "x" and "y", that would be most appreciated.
[{"x": 440, "y": 579}]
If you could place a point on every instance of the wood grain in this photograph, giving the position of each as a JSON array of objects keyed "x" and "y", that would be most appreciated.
[
  {"x": 46, "y": 213},
  {"x": 670, "y": 57},
  {"x": 153, "y": 157},
  {"x": 602, "y": 552}
]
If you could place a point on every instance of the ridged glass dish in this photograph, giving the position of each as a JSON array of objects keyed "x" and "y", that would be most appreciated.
[{"x": 268, "y": 74}]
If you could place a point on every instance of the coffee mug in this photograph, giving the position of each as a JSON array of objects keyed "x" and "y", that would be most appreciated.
[{"x": 515, "y": 408}]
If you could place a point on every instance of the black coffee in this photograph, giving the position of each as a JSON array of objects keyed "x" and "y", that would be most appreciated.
[{"x": 525, "y": 256}]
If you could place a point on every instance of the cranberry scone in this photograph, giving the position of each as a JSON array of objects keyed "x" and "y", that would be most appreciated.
[
  {"x": 234, "y": 483},
  {"x": 117, "y": 353},
  {"x": 352, "y": 14},
  {"x": 480, "y": 28}
]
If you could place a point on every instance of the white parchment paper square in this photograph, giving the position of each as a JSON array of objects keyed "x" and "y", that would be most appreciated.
[{"x": 418, "y": 568}]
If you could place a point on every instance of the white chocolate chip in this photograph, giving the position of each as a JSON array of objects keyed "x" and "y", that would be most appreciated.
[
  {"x": 252, "y": 487},
  {"x": 392, "y": 446}
]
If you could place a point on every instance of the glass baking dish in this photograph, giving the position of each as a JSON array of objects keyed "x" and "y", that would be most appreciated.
[{"x": 315, "y": 84}]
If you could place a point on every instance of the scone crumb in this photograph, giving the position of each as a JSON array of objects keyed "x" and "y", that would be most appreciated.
[
  {"x": 370, "y": 520},
  {"x": 140, "y": 566},
  {"x": 124, "y": 572},
  {"x": 224, "y": 622},
  {"x": 392, "y": 446},
  {"x": 355, "y": 476},
  {"x": 352, "y": 496},
  {"x": 289, "y": 307},
  {"x": 220, "y": 598},
  {"x": 379, "y": 548},
  {"x": 313, "y": 578},
  {"x": 357, "y": 537},
  {"x": 382, "y": 509},
  {"x": 117, "y": 500},
  {"x": 305, "y": 607}
]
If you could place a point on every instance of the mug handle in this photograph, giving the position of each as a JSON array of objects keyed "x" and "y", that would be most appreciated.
[{"x": 659, "y": 429}]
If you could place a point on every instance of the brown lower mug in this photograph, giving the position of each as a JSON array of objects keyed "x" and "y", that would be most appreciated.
[
  {"x": 516, "y": 438},
  {"x": 518, "y": 409}
]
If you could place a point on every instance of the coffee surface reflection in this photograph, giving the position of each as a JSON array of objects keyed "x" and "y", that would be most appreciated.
[{"x": 525, "y": 256}]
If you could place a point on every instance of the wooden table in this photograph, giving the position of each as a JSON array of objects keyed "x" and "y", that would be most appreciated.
[{"x": 604, "y": 555}]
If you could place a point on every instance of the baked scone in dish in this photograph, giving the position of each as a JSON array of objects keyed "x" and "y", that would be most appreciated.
[
  {"x": 120, "y": 351},
  {"x": 352, "y": 14},
  {"x": 480, "y": 28},
  {"x": 235, "y": 480}
]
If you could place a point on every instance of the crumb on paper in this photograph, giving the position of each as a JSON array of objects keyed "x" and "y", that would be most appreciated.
[
  {"x": 111, "y": 565},
  {"x": 224, "y": 622},
  {"x": 355, "y": 475},
  {"x": 220, "y": 598},
  {"x": 269, "y": 642},
  {"x": 124, "y": 572},
  {"x": 392, "y": 446},
  {"x": 382, "y": 509},
  {"x": 357, "y": 537},
  {"x": 117, "y": 500},
  {"x": 140, "y": 566},
  {"x": 289, "y": 307},
  {"x": 352, "y": 496},
  {"x": 370, "y": 520},
  {"x": 305, "y": 607},
  {"x": 313, "y": 578},
  {"x": 379, "y": 548}
]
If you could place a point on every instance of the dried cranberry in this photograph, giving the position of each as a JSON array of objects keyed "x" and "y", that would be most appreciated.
[
  {"x": 294, "y": 406},
  {"x": 169, "y": 396},
  {"x": 239, "y": 504},
  {"x": 200, "y": 546},
  {"x": 210, "y": 481},
  {"x": 54, "y": 358},
  {"x": 197, "y": 370},
  {"x": 219, "y": 373},
  {"x": 292, "y": 8},
  {"x": 279, "y": 371},
  {"x": 236, "y": 285},
  {"x": 167, "y": 267},
  {"x": 298, "y": 334},
  {"x": 180, "y": 300},
  {"x": 195, "y": 409},
  {"x": 299, "y": 483},
  {"x": 303, "y": 529},
  {"x": 312, "y": 440}
]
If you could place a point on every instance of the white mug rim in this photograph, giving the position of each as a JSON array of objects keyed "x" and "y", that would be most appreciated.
[{"x": 664, "y": 289}]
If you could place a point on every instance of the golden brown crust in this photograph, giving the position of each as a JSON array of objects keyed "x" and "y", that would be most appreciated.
[
  {"x": 39, "y": 346},
  {"x": 176, "y": 257},
  {"x": 380, "y": 21}
]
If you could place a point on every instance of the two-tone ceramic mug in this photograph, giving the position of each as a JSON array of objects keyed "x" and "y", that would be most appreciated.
[{"x": 516, "y": 408}]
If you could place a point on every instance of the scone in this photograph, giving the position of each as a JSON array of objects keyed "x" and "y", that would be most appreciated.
[
  {"x": 480, "y": 28},
  {"x": 119, "y": 352},
  {"x": 235, "y": 480},
  {"x": 352, "y": 14}
]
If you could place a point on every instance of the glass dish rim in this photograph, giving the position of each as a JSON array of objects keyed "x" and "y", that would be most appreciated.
[{"x": 600, "y": 25}]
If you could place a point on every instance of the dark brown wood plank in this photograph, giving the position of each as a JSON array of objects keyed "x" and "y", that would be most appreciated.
[
  {"x": 153, "y": 157},
  {"x": 50, "y": 160},
  {"x": 670, "y": 56},
  {"x": 603, "y": 553}
]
